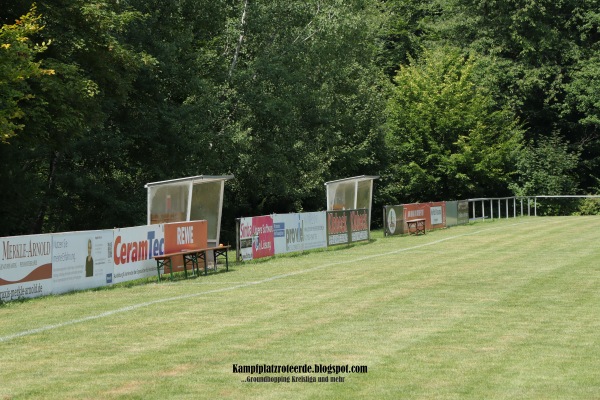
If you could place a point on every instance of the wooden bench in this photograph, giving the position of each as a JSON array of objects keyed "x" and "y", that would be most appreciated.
[
  {"x": 191, "y": 257},
  {"x": 416, "y": 226}
]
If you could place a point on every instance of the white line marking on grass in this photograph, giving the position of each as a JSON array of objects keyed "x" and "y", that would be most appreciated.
[{"x": 239, "y": 286}]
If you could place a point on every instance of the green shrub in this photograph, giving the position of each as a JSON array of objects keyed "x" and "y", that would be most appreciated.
[{"x": 589, "y": 206}]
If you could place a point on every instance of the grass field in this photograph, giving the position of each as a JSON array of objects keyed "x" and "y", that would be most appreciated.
[{"x": 506, "y": 309}]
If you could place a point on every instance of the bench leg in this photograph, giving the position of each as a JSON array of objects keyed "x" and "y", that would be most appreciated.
[
  {"x": 158, "y": 265},
  {"x": 202, "y": 256},
  {"x": 195, "y": 265},
  {"x": 197, "y": 271},
  {"x": 218, "y": 253},
  {"x": 205, "y": 263},
  {"x": 191, "y": 259},
  {"x": 163, "y": 264}
]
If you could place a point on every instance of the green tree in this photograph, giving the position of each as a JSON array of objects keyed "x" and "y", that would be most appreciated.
[
  {"x": 49, "y": 179},
  {"x": 543, "y": 53},
  {"x": 582, "y": 106},
  {"x": 406, "y": 28},
  {"x": 171, "y": 120},
  {"x": 305, "y": 93},
  {"x": 18, "y": 65},
  {"x": 547, "y": 168},
  {"x": 447, "y": 136}
]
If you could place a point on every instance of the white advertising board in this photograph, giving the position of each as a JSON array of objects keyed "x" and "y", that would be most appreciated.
[
  {"x": 298, "y": 232},
  {"x": 134, "y": 249},
  {"x": 25, "y": 267},
  {"x": 82, "y": 260},
  {"x": 436, "y": 215},
  {"x": 246, "y": 238}
]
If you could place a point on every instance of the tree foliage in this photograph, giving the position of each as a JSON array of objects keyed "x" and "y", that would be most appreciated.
[
  {"x": 18, "y": 66},
  {"x": 306, "y": 99},
  {"x": 100, "y": 97},
  {"x": 52, "y": 182},
  {"x": 445, "y": 132},
  {"x": 545, "y": 54},
  {"x": 547, "y": 167},
  {"x": 148, "y": 91}
]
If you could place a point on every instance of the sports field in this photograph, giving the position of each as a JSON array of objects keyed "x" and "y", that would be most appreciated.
[{"x": 505, "y": 309}]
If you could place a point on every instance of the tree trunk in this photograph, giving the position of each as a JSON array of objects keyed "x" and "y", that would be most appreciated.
[
  {"x": 38, "y": 224},
  {"x": 240, "y": 40}
]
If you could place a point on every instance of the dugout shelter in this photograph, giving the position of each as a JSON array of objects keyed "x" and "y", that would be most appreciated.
[
  {"x": 351, "y": 193},
  {"x": 188, "y": 199}
]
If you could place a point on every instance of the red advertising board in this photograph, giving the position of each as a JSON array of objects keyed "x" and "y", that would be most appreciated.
[
  {"x": 263, "y": 244},
  {"x": 187, "y": 235},
  {"x": 434, "y": 214},
  {"x": 347, "y": 226}
]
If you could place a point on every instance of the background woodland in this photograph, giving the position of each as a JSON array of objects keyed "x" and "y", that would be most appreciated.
[{"x": 443, "y": 99}]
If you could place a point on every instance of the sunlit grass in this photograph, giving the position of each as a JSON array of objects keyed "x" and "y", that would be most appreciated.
[{"x": 492, "y": 310}]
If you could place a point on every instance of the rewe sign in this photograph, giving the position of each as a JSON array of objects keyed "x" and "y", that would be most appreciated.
[{"x": 180, "y": 236}]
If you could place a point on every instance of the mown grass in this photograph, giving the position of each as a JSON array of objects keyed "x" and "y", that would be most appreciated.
[{"x": 493, "y": 310}]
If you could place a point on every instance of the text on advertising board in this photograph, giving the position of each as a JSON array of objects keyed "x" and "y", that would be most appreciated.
[
  {"x": 336, "y": 224},
  {"x": 359, "y": 222},
  {"x": 126, "y": 252},
  {"x": 295, "y": 235},
  {"x": 24, "y": 250},
  {"x": 185, "y": 235}
]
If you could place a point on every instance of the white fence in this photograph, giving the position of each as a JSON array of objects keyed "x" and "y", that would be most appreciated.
[{"x": 511, "y": 207}]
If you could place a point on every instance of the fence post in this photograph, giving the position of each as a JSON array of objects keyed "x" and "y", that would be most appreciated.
[{"x": 521, "y": 206}]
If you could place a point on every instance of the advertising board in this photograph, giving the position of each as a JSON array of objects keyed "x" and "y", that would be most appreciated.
[
  {"x": 245, "y": 235},
  {"x": 437, "y": 214},
  {"x": 347, "y": 226},
  {"x": 256, "y": 237},
  {"x": 463, "y": 212},
  {"x": 81, "y": 260},
  {"x": 134, "y": 249},
  {"x": 451, "y": 213},
  {"x": 25, "y": 267},
  {"x": 416, "y": 211},
  {"x": 393, "y": 220},
  {"x": 338, "y": 228},
  {"x": 298, "y": 232},
  {"x": 180, "y": 236},
  {"x": 434, "y": 214}
]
